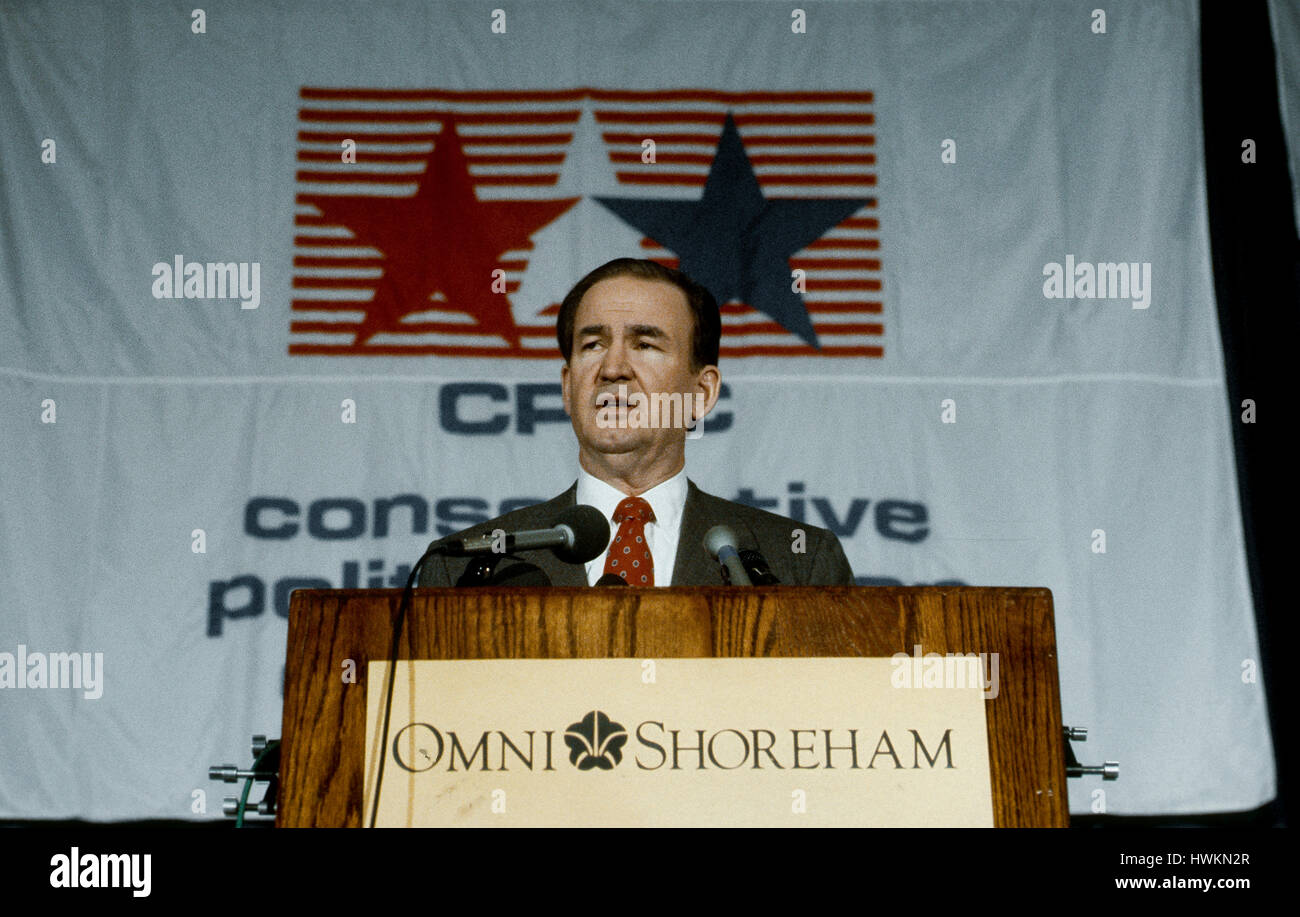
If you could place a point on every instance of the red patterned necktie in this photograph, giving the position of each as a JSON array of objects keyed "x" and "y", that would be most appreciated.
[{"x": 629, "y": 552}]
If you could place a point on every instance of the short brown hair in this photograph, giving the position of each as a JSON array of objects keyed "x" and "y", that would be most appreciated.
[{"x": 704, "y": 308}]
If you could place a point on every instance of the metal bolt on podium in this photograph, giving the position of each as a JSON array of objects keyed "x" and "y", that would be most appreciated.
[
  {"x": 1107, "y": 771},
  {"x": 265, "y": 769}
]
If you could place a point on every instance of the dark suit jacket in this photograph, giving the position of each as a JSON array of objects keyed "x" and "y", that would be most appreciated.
[{"x": 821, "y": 564}]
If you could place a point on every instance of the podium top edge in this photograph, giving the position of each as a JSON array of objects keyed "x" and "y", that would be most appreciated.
[{"x": 690, "y": 590}]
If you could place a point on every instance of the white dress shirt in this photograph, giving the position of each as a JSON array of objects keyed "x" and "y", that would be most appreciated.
[{"x": 668, "y": 501}]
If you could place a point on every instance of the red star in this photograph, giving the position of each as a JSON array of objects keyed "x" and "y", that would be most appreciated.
[{"x": 443, "y": 239}]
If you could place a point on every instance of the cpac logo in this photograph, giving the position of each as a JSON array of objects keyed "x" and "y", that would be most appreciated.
[{"x": 441, "y": 223}]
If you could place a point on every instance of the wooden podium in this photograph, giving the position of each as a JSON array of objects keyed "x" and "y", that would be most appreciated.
[{"x": 323, "y": 733}]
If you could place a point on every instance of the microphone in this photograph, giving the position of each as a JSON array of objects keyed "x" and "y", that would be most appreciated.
[
  {"x": 720, "y": 543},
  {"x": 611, "y": 579},
  {"x": 579, "y": 534}
]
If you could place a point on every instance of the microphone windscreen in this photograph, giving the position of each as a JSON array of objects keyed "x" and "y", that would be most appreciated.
[
  {"x": 611, "y": 579},
  {"x": 717, "y": 538},
  {"x": 590, "y": 533}
]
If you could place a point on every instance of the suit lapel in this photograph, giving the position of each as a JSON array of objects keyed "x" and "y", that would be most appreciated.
[
  {"x": 559, "y": 572},
  {"x": 692, "y": 567}
]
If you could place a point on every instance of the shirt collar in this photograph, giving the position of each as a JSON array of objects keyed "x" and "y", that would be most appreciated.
[{"x": 667, "y": 498}]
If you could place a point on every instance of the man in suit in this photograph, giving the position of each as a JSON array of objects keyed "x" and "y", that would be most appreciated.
[{"x": 633, "y": 333}]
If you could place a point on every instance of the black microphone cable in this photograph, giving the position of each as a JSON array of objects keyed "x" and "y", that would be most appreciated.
[{"x": 398, "y": 624}]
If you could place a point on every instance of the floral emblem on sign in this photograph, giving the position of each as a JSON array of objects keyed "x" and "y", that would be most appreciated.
[{"x": 595, "y": 742}]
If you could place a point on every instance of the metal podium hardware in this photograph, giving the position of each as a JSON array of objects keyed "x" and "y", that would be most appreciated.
[
  {"x": 265, "y": 769},
  {"x": 1107, "y": 771}
]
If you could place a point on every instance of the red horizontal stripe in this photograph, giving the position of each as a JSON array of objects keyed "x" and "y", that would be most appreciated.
[
  {"x": 368, "y": 283},
  {"x": 799, "y": 159},
  {"x": 406, "y": 328},
  {"x": 327, "y": 242},
  {"x": 515, "y": 139},
  {"x": 866, "y": 201},
  {"x": 661, "y": 178},
  {"x": 370, "y": 350},
  {"x": 547, "y": 178},
  {"x": 319, "y": 93},
  {"x": 761, "y": 159},
  {"x": 370, "y": 115},
  {"x": 693, "y": 159},
  {"x": 552, "y": 353},
  {"x": 362, "y": 157},
  {"x": 754, "y": 140},
  {"x": 774, "y": 328},
  {"x": 846, "y": 178},
  {"x": 695, "y": 178},
  {"x": 443, "y": 328},
  {"x": 861, "y": 222},
  {"x": 534, "y": 331},
  {"x": 410, "y": 117},
  {"x": 836, "y": 264},
  {"x": 777, "y": 351},
  {"x": 823, "y": 308},
  {"x": 528, "y": 331},
  {"x": 826, "y": 308},
  {"x": 809, "y": 117},
  {"x": 711, "y": 140},
  {"x": 826, "y": 285},
  {"x": 727, "y": 98},
  {"x": 845, "y": 243},
  {"x": 441, "y": 95},
  {"x": 825, "y": 328},
  {"x": 516, "y": 159},
  {"x": 384, "y": 178},
  {"x": 613, "y": 116},
  {"x": 311, "y": 199},
  {"x": 362, "y": 177},
  {"x": 329, "y": 137},
  {"x": 484, "y": 140}
]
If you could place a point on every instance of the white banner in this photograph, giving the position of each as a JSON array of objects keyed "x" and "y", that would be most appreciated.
[{"x": 277, "y": 297}]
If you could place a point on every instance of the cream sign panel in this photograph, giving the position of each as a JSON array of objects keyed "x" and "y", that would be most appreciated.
[{"x": 773, "y": 742}]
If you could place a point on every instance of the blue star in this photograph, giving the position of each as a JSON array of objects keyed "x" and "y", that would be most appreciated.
[{"x": 736, "y": 242}]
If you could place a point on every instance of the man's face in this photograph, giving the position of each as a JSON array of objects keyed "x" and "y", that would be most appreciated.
[{"x": 632, "y": 333}]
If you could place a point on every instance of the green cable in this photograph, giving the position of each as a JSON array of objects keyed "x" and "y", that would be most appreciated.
[{"x": 248, "y": 785}]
